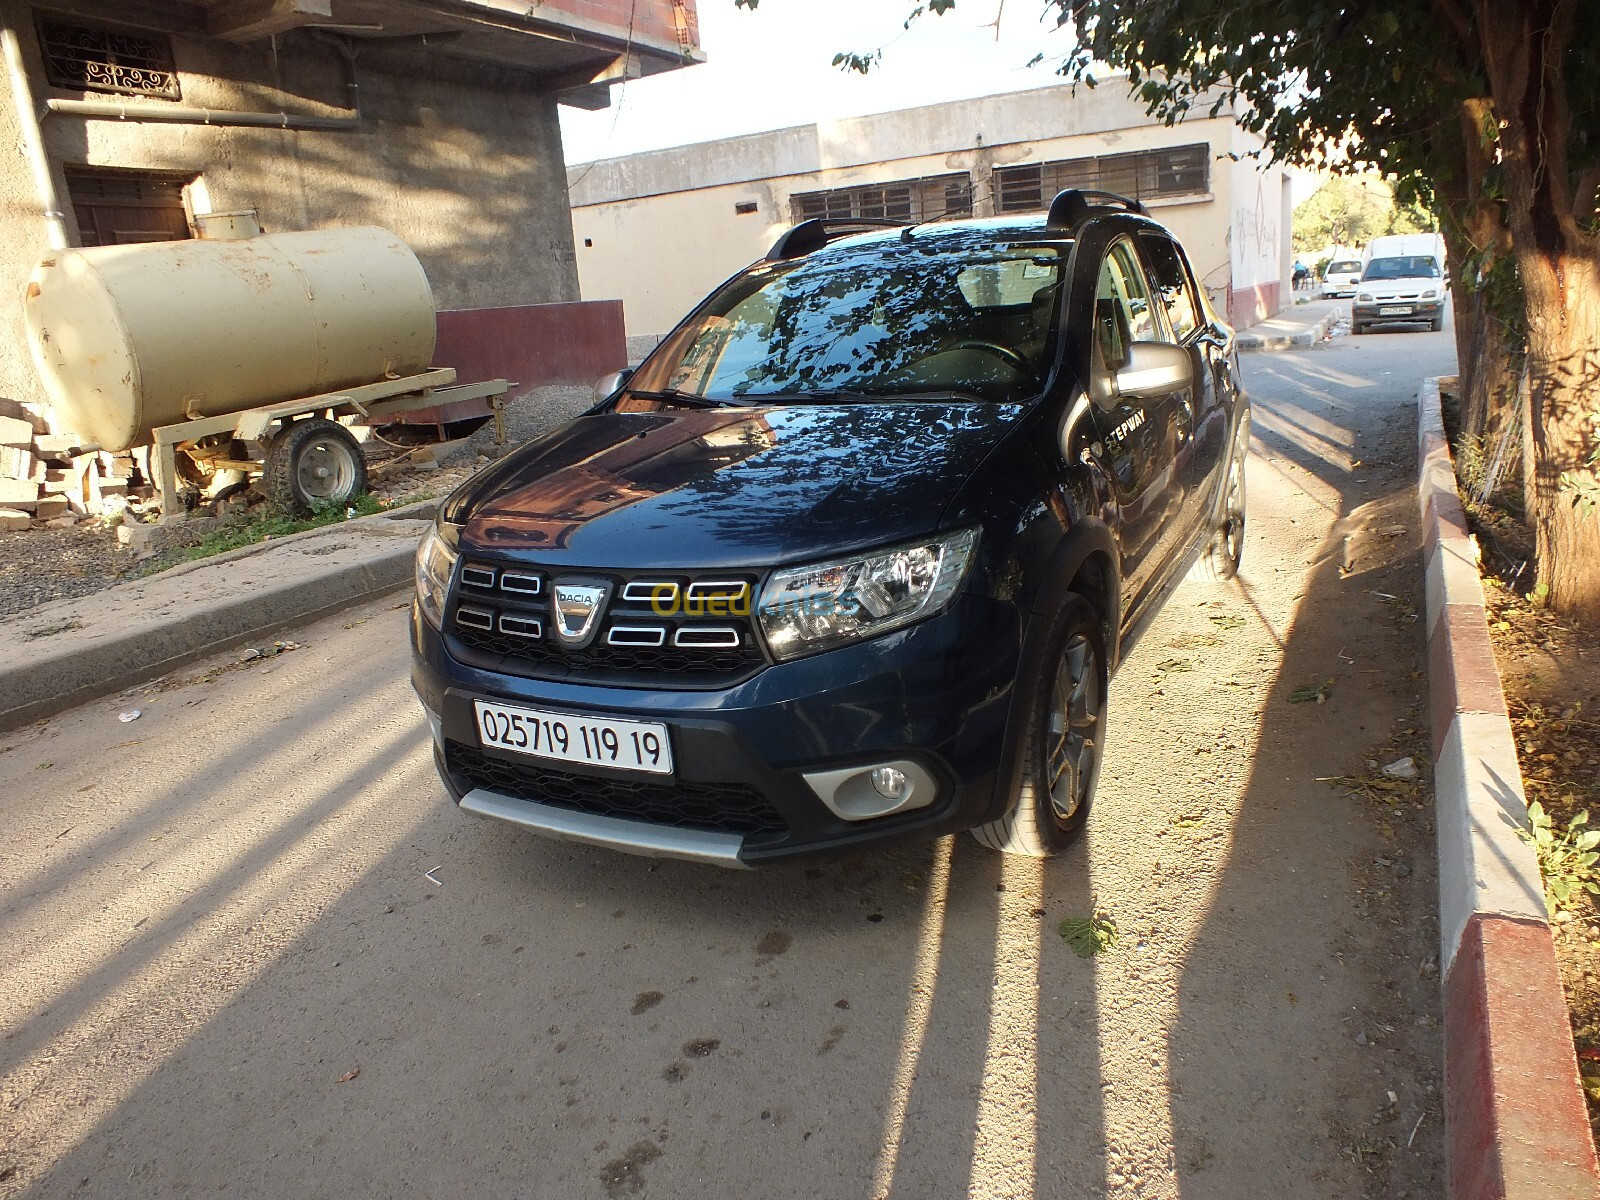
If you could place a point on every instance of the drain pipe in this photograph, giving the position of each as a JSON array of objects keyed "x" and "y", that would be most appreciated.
[
  {"x": 173, "y": 115},
  {"x": 33, "y": 141}
]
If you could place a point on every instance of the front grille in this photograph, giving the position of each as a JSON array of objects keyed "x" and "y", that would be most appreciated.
[
  {"x": 501, "y": 620},
  {"x": 718, "y": 807}
]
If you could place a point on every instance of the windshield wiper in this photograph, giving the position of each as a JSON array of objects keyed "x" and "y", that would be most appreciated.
[
  {"x": 688, "y": 399},
  {"x": 807, "y": 396}
]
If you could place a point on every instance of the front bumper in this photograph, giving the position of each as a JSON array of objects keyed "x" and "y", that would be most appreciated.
[
  {"x": 1416, "y": 310},
  {"x": 936, "y": 693}
]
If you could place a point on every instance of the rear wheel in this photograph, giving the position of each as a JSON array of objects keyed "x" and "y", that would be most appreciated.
[
  {"x": 314, "y": 465},
  {"x": 1064, "y": 742},
  {"x": 1357, "y": 327}
]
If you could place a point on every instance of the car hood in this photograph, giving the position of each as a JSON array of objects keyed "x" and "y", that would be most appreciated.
[{"x": 725, "y": 487}]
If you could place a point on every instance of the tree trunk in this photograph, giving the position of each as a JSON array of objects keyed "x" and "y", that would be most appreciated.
[
  {"x": 1475, "y": 233},
  {"x": 1524, "y": 48}
]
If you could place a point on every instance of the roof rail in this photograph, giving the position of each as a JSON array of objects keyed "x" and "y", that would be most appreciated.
[
  {"x": 819, "y": 231},
  {"x": 1072, "y": 205}
]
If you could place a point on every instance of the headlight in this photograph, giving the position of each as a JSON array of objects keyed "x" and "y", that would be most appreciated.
[
  {"x": 1364, "y": 298},
  {"x": 436, "y": 559},
  {"x": 811, "y": 608},
  {"x": 1430, "y": 294}
]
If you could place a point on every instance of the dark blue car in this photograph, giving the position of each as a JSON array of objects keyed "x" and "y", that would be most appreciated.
[{"x": 852, "y": 555}]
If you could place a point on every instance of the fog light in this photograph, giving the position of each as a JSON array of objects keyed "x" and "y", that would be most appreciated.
[
  {"x": 889, "y": 783},
  {"x": 874, "y": 789}
]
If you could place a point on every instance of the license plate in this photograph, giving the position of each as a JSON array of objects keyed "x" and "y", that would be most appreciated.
[
  {"x": 563, "y": 737},
  {"x": 1395, "y": 310}
]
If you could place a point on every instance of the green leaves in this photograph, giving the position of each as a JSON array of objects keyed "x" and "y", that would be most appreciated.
[
  {"x": 1089, "y": 936},
  {"x": 862, "y": 64},
  {"x": 1567, "y": 857}
]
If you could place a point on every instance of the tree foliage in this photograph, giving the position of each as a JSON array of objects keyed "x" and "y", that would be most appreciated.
[{"x": 1351, "y": 210}]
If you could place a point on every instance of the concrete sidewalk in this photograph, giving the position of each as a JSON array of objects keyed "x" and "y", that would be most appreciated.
[
  {"x": 68, "y": 651},
  {"x": 1298, "y": 327}
]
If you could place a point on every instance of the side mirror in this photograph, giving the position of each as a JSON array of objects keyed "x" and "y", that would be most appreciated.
[
  {"x": 609, "y": 385},
  {"x": 1155, "y": 369}
]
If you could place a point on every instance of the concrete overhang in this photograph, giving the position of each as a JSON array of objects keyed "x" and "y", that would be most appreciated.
[{"x": 571, "y": 52}]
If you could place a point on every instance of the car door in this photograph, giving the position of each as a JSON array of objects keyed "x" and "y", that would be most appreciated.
[
  {"x": 1201, "y": 455},
  {"x": 1140, "y": 437}
]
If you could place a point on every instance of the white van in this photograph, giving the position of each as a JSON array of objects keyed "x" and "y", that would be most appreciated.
[
  {"x": 1402, "y": 279},
  {"x": 1405, "y": 245}
]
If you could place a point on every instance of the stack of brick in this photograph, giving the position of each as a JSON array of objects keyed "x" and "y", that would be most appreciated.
[{"x": 47, "y": 477}]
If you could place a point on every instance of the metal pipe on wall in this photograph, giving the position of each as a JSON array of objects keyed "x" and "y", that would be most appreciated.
[
  {"x": 177, "y": 115},
  {"x": 33, "y": 141}
]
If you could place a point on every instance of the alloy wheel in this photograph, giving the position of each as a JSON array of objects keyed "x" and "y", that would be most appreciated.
[{"x": 1072, "y": 729}]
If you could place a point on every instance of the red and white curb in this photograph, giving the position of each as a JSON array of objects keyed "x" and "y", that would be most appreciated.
[{"x": 1515, "y": 1122}]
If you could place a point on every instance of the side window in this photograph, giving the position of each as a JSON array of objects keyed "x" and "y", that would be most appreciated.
[
  {"x": 1123, "y": 313},
  {"x": 1172, "y": 284}
]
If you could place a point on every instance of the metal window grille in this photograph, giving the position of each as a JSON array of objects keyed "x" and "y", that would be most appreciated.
[
  {"x": 1172, "y": 171},
  {"x": 97, "y": 59},
  {"x": 909, "y": 200}
]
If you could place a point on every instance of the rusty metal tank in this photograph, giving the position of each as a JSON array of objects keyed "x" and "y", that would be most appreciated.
[{"x": 126, "y": 338}]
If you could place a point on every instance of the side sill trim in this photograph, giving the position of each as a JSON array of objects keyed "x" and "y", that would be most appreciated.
[{"x": 614, "y": 833}]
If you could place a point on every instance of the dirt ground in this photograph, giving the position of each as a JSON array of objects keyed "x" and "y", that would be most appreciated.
[{"x": 254, "y": 952}]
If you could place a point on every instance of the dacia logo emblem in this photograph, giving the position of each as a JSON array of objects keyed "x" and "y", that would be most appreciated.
[{"x": 577, "y": 608}]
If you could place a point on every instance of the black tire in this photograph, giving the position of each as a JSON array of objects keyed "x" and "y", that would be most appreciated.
[
  {"x": 1436, "y": 324},
  {"x": 1356, "y": 327},
  {"x": 314, "y": 464},
  {"x": 1065, "y": 741},
  {"x": 1219, "y": 561}
]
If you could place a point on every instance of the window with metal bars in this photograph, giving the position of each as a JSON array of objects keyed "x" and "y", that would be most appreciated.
[
  {"x": 909, "y": 200},
  {"x": 94, "y": 58},
  {"x": 1143, "y": 174}
]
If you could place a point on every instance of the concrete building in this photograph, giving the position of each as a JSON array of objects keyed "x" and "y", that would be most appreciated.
[
  {"x": 436, "y": 119},
  {"x": 659, "y": 230}
]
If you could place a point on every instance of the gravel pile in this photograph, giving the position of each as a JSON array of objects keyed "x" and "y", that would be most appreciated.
[
  {"x": 534, "y": 415},
  {"x": 39, "y": 565}
]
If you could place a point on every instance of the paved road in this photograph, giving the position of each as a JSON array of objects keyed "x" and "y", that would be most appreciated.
[{"x": 227, "y": 973}]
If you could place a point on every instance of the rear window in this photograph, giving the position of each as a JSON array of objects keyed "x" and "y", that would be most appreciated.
[
  {"x": 1405, "y": 267},
  {"x": 1345, "y": 266}
]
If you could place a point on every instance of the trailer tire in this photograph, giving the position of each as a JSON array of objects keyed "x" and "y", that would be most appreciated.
[{"x": 313, "y": 465}]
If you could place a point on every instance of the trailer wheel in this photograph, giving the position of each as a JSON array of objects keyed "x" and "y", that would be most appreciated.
[
  {"x": 187, "y": 480},
  {"x": 314, "y": 465}
]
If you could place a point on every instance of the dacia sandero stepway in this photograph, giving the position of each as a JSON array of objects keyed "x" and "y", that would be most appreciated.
[{"x": 852, "y": 554}]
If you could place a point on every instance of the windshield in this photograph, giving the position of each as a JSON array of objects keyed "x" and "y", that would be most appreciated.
[
  {"x": 1419, "y": 266},
  {"x": 1349, "y": 267},
  {"x": 906, "y": 318}
]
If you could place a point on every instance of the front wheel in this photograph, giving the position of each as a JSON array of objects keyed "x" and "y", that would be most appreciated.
[
  {"x": 1064, "y": 742},
  {"x": 1436, "y": 324},
  {"x": 314, "y": 465}
]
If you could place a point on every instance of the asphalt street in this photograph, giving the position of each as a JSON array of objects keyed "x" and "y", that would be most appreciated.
[{"x": 252, "y": 951}]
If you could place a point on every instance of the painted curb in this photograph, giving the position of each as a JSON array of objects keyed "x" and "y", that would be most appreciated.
[
  {"x": 1253, "y": 343},
  {"x": 48, "y": 682},
  {"x": 1516, "y": 1126}
]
